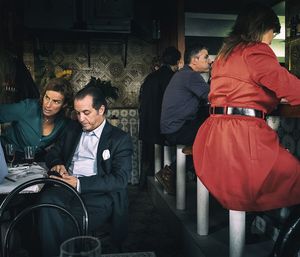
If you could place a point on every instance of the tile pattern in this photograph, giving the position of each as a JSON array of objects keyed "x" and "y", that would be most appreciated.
[
  {"x": 288, "y": 130},
  {"x": 128, "y": 121},
  {"x": 106, "y": 61}
]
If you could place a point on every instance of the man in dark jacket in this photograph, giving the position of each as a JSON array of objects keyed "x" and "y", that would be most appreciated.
[
  {"x": 95, "y": 158},
  {"x": 151, "y": 94}
]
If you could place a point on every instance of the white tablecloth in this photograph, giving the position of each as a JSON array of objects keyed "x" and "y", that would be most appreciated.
[{"x": 19, "y": 175}]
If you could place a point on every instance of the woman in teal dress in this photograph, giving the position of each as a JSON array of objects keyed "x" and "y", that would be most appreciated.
[{"x": 37, "y": 122}]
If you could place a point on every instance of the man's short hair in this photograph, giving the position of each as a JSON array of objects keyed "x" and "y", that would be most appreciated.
[
  {"x": 191, "y": 51},
  {"x": 171, "y": 55}
]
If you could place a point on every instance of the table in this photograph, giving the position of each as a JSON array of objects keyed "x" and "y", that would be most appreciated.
[
  {"x": 136, "y": 254},
  {"x": 18, "y": 175}
]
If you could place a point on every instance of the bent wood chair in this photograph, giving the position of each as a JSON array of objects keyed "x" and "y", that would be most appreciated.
[{"x": 12, "y": 195}]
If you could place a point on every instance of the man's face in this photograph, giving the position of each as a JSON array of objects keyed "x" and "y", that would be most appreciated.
[
  {"x": 52, "y": 103},
  {"x": 201, "y": 61},
  {"x": 88, "y": 117}
]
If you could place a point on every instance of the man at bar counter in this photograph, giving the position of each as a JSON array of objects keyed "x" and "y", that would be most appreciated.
[
  {"x": 95, "y": 158},
  {"x": 184, "y": 106}
]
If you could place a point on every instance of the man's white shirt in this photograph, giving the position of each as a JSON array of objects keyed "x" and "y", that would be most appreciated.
[{"x": 84, "y": 161}]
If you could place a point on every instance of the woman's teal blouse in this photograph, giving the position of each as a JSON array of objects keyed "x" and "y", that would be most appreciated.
[{"x": 26, "y": 125}]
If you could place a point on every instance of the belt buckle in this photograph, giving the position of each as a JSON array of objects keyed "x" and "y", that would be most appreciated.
[{"x": 228, "y": 110}]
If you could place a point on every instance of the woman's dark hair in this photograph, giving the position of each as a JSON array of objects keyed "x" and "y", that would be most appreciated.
[
  {"x": 191, "y": 51},
  {"x": 96, "y": 93},
  {"x": 249, "y": 27},
  {"x": 64, "y": 87}
]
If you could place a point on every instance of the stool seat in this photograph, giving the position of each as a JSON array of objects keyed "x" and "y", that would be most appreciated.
[{"x": 167, "y": 143}]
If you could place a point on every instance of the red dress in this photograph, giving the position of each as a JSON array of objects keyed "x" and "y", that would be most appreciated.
[{"x": 239, "y": 158}]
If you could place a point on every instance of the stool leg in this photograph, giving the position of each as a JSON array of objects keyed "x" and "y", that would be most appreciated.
[
  {"x": 180, "y": 178},
  {"x": 202, "y": 209},
  {"x": 237, "y": 228},
  {"x": 157, "y": 158},
  {"x": 167, "y": 155}
]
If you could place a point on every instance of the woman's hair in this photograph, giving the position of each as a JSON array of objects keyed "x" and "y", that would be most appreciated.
[
  {"x": 250, "y": 26},
  {"x": 64, "y": 87}
]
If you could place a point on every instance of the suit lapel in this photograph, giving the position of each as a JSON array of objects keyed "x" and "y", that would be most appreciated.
[{"x": 104, "y": 144}]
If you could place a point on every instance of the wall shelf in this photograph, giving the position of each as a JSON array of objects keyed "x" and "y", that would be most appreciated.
[{"x": 59, "y": 35}]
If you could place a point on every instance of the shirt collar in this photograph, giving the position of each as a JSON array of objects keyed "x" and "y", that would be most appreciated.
[{"x": 97, "y": 131}]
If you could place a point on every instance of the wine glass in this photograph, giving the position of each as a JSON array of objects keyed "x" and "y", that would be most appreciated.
[
  {"x": 10, "y": 151},
  {"x": 29, "y": 152},
  {"x": 81, "y": 246}
]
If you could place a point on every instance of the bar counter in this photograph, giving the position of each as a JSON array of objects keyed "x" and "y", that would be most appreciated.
[{"x": 286, "y": 110}]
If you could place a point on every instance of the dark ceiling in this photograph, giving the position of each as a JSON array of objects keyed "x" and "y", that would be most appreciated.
[{"x": 221, "y": 6}]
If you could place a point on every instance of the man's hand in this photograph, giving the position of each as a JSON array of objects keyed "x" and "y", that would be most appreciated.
[
  {"x": 61, "y": 169},
  {"x": 71, "y": 180}
]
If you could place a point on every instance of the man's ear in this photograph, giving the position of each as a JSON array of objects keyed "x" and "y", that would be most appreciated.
[{"x": 102, "y": 110}]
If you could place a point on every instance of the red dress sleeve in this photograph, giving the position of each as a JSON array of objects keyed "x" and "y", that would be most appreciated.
[{"x": 266, "y": 71}]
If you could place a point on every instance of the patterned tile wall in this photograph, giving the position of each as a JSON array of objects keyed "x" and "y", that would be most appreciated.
[
  {"x": 288, "y": 130},
  {"x": 128, "y": 121},
  {"x": 107, "y": 63}
]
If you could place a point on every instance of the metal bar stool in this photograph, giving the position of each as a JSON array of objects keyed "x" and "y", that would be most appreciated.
[
  {"x": 237, "y": 222},
  {"x": 180, "y": 178},
  {"x": 157, "y": 158}
]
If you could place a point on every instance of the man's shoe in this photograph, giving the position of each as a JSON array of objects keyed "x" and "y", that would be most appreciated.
[
  {"x": 188, "y": 150},
  {"x": 167, "y": 178}
]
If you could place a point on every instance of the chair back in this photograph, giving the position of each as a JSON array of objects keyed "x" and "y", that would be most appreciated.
[
  {"x": 288, "y": 241},
  {"x": 11, "y": 196}
]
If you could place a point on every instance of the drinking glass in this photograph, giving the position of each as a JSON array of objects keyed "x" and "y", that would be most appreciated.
[
  {"x": 81, "y": 246},
  {"x": 10, "y": 151},
  {"x": 29, "y": 152}
]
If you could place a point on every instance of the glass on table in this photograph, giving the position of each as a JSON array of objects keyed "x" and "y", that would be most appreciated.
[
  {"x": 10, "y": 151},
  {"x": 81, "y": 246},
  {"x": 29, "y": 154}
]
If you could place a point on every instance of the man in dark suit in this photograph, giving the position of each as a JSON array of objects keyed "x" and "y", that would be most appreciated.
[{"x": 95, "y": 158}]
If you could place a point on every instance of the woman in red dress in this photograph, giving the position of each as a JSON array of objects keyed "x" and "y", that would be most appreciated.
[{"x": 237, "y": 155}]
